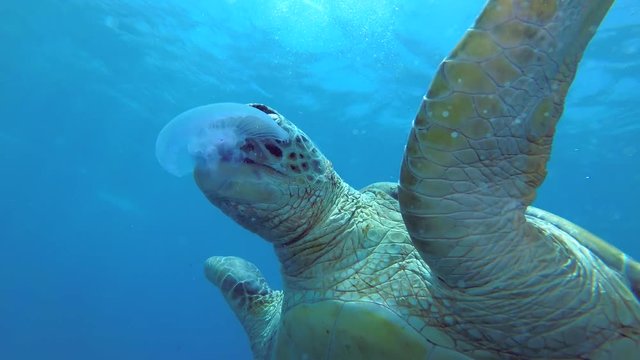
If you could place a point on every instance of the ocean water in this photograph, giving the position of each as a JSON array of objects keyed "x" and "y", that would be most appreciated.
[{"x": 101, "y": 251}]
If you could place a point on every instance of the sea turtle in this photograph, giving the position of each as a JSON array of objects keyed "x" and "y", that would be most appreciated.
[{"x": 452, "y": 262}]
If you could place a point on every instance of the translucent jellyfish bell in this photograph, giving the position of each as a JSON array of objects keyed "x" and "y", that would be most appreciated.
[{"x": 198, "y": 135}]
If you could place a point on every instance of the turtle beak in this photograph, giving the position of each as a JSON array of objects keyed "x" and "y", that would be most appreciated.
[{"x": 245, "y": 182}]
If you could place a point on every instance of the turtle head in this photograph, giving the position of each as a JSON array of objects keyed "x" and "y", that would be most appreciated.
[{"x": 279, "y": 188}]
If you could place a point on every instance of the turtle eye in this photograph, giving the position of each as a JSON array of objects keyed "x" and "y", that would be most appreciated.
[{"x": 274, "y": 150}]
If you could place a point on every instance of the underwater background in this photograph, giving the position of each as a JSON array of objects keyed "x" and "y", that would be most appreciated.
[{"x": 101, "y": 251}]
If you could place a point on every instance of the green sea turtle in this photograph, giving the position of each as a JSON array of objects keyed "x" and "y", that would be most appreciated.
[{"x": 451, "y": 263}]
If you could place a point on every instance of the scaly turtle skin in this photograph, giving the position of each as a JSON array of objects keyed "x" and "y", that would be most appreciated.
[{"x": 452, "y": 263}]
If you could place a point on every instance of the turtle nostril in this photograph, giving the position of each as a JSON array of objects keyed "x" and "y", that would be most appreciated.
[{"x": 274, "y": 150}]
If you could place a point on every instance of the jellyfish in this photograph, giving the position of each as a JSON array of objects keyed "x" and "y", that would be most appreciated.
[{"x": 207, "y": 135}]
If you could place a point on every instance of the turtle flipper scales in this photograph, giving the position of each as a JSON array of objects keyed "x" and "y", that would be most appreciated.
[
  {"x": 476, "y": 154},
  {"x": 255, "y": 304},
  {"x": 480, "y": 143}
]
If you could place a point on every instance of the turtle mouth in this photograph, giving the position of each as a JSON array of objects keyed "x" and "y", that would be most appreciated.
[
  {"x": 261, "y": 155},
  {"x": 245, "y": 174},
  {"x": 268, "y": 168}
]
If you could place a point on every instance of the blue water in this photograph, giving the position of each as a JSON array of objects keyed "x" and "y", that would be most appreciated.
[{"x": 101, "y": 251}]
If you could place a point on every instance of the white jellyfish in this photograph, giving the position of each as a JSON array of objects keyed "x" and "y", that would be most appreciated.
[{"x": 197, "y": 136}]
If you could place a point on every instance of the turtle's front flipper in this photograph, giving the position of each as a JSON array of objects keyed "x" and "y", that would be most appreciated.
[
  {"x": 480, "y": 143},
  {"x": 476, "y": 154},
  {"x": 255, "y": 304}
]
